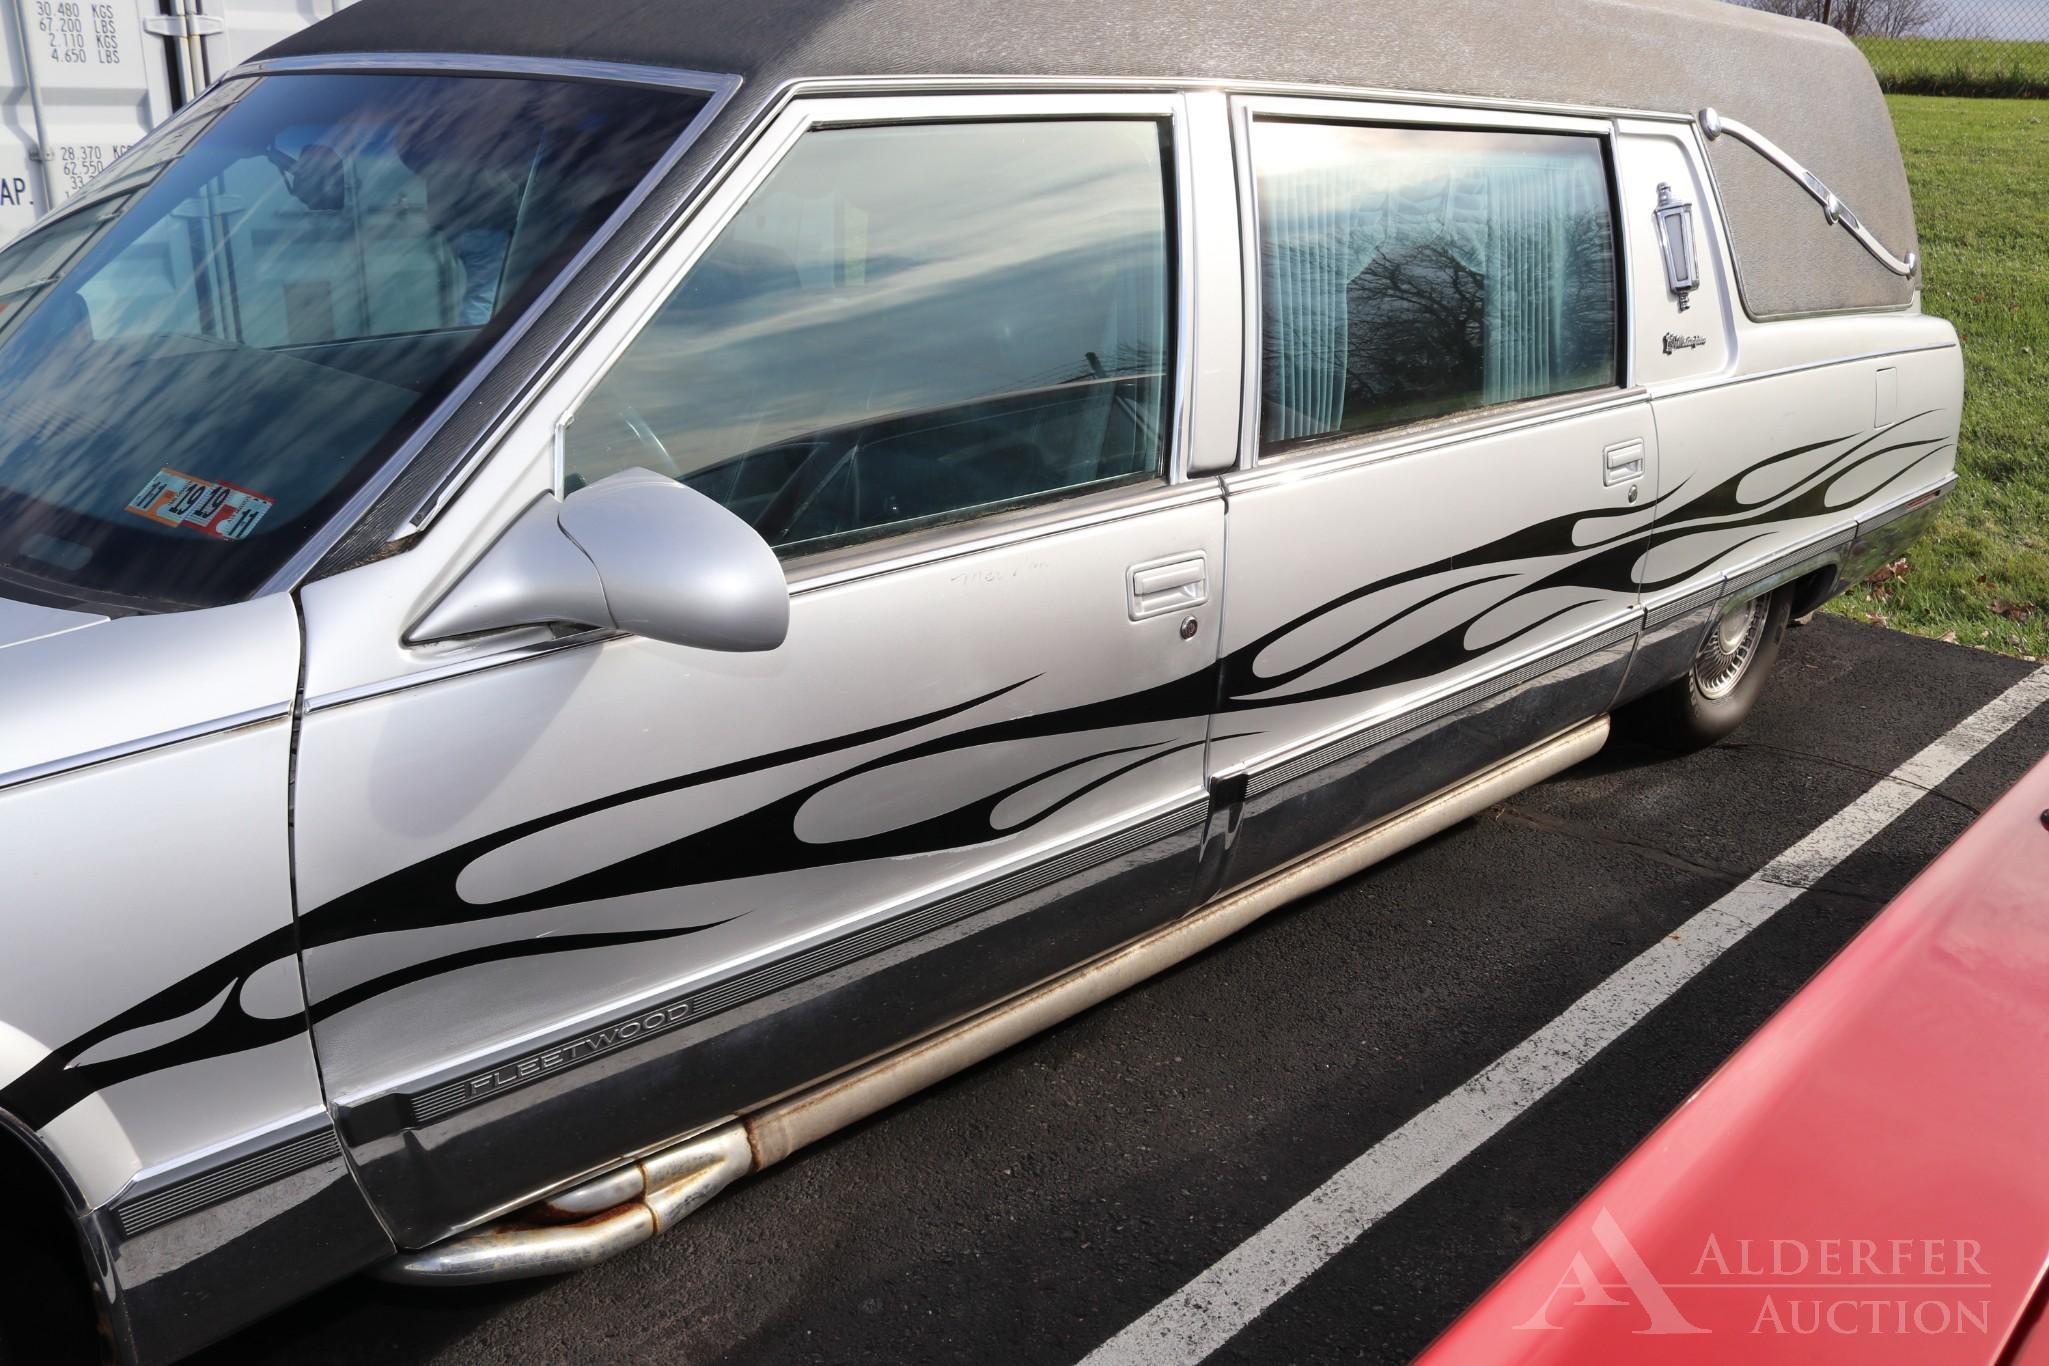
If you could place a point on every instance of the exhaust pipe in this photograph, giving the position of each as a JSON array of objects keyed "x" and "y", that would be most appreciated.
[{"x": 588, "y": 1223}]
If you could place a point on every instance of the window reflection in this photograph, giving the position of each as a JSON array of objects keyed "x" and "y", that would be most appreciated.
[
  {"x": 1411, "y": 273},
  {"x": 909, "y": 323},
  {"x": 207, "y": 353}
]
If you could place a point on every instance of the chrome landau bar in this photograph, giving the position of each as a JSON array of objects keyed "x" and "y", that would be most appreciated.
[{"x": 1715, "y": 125}]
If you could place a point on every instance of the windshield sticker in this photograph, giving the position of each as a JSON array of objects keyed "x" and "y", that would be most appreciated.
[{"x": 226, "y": 512}]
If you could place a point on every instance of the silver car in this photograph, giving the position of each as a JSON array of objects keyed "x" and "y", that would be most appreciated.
[{"x": 588, "y": 593}]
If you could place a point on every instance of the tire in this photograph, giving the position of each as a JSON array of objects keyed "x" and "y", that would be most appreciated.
[
  {"x": 47, "y": 1314},
  {"x": 1736, "y": 656}
]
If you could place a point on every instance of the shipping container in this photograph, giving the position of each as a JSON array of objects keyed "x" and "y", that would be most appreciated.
[{"x": 86, "y": 78}]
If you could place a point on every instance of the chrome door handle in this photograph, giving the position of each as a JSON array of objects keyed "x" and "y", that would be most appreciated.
[
  {"x": 1171, "y": 585},
  {"x": 1622, "y": 462}
]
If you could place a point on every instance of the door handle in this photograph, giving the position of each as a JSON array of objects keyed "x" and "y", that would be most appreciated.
[
  {"x": 1171, "y": 585},
  {"x": 1622, "y": 462}
]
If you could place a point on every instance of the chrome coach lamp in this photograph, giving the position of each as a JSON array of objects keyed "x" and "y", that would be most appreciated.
[{"x": 1675, "y": 234}]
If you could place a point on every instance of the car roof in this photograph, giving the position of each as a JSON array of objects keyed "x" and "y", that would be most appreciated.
[{"x": 1802, "y": 84}]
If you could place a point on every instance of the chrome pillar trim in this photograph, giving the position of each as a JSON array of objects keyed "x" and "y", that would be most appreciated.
[
  {"x": 1835, "y": 210},
  {"x": 244, "y": 720},
  {"x": 680, "y": 1179},
  {"x": 667, "y": 1187}
]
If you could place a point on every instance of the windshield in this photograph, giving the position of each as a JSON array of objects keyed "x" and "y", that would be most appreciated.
[{"x": 210, "y": 350}]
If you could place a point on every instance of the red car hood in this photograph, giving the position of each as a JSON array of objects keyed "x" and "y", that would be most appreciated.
[{"x": 1866, "y": 1180}]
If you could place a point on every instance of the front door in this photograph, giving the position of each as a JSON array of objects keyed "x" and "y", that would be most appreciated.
[{"x": 565, "y": 897}]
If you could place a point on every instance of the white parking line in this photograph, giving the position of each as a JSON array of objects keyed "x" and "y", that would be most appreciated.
[{"x": 1209, "y": 1310}]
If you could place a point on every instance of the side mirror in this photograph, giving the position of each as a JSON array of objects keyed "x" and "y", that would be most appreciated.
[{"x": 637, "y": 552}]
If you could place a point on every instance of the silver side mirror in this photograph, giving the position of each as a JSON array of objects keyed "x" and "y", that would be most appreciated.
[{"x": 637, "y": 552}]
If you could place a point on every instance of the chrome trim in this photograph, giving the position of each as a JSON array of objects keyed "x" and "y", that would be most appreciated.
[
  {"x": 497, "y": 658},
  {"x": 1265, "y": 776},
  {"x": 1809, "y": 555},
  {"x": 1181, "y": 158},
  {"x": 1341, "y": 453},
  {"x": 244, "y": 720},
  {"x": 718, "y": 91},
  {"x": 972, "y": 536},
  {"x": 1714, "y": 125},
  {"x": 138, "y": 1213},
  {"x": 1688, "y": 600},
  {"x": 1785, "y": 565},
  {"x": 377, "y": 1116},
  {"x": 1456, "y": 113},
  {"x": 1251, "y": 358},
  {"x": 1903, "y": 507},
  {"x": 981, "y": 84},
  {"x": 461, "y": 64}
]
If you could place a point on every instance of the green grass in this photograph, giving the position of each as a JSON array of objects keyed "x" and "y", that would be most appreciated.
[
  {"x": 1960, "y": 66},
  {"x": 1980, "y": 172}
]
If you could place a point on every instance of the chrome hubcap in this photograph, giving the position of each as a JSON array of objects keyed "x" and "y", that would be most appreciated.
[{"x": 1726, "y": 653}]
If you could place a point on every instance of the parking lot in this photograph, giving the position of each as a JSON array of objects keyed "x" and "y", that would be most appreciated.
[{"x": 1035, "y": 1208}]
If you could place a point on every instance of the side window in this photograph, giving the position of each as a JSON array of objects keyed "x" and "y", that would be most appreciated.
[
  {"x": 1410, "y": 273},
  {"x": 908, "y": 324}
]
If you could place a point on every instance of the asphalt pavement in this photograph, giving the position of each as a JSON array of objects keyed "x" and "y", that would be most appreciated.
[{"x": 1032, "y": 1208}]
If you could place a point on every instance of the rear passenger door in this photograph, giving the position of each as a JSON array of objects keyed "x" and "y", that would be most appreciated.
[
  {"x": 566, "y": 897},
  {"x": 1446, "y": 482}
]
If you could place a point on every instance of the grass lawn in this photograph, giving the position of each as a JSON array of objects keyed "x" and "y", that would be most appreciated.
[
  {"x": 1959, "y": 66},
  {"x": 1980, "y": 171}
]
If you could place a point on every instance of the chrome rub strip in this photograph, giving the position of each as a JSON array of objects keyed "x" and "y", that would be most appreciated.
[{"x": 163, "y": 739}]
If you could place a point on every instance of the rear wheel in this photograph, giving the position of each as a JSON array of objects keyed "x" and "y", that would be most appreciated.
[{"x": 1728, "y": 673}]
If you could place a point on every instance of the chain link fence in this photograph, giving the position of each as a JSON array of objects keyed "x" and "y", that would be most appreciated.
[{"x": 1941, "y": 47}]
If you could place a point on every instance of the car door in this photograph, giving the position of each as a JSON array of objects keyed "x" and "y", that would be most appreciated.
[
  {"x": 1446, "y": 483},
  {"x": 567, "y": 895}
]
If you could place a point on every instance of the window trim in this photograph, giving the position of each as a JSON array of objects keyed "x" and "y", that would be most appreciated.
[
  {"x": 1246, "y": 110},
  {"x": 642, "y": 300}
]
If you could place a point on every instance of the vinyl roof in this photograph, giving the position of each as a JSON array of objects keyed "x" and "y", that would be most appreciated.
[{"x": 1802, "y": 84}]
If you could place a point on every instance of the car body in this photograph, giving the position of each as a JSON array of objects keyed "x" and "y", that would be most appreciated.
[
  {"x": 1189, "y": 473},
  {"x": 1857, "y": 1182}
]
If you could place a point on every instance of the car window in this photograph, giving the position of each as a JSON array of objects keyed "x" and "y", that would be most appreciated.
[
  {"x": 907, "y": 324},
  {"x": 1410, "y": 273},
  {"x": 208, "y": 354}
]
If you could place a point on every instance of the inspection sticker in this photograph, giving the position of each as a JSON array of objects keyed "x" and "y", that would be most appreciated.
[{"x": 226, "y": 512}]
